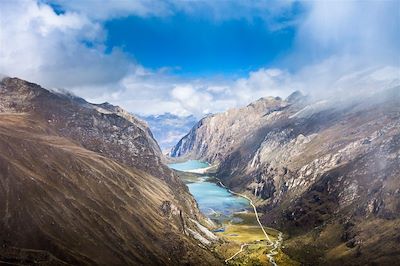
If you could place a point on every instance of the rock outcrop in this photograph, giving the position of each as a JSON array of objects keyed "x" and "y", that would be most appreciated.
[
  {"x": 325, "y": 172},
  {"x": 85, "y": 184}
]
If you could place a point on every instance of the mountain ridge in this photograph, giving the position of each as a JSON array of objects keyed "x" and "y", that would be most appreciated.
[
  {"x": 306, "y": 164},
  {"x": 82, "y": 186}
]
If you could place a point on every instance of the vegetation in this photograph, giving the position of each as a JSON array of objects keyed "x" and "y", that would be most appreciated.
[{"x": 244, "y": 229}]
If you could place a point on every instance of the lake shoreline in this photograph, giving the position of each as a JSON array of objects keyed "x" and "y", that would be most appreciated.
[
  {"x": 215, "y": 201},
  {"x": 234, "y": 215}
]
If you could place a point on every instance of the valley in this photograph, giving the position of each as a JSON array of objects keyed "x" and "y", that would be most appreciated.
[
  {"x": 199, "y": 133},
  {"x": 234, "y": 218},
  {"x": 287, "y": 183},
  {"x": 321, "y": 172}
]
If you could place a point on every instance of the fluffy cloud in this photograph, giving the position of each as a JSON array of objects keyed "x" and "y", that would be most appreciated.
[
  {"x": 340, "y": 48},
  {"x": 63, "y": 50},
  {"x": 155, "y": 93},
  {"x": 191, "y": 99},
  {"x": 262, "y": 83}
]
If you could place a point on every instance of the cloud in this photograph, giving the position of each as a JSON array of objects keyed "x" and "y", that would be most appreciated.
[
  {"x": 102, "y": 10},
  {"x": 361, "y": 32},
  {"x": 192, "y": 99},
  {"x": 261, "y": 83},
  {"x": 367, "y": 28},
  {"x": 157, "y": 93},
  {"x": 276, "y": 14},
  {"x": 63, "y": 50},
  {"x": 218, "y": 11},
  {"x": 341, "y": 47}
]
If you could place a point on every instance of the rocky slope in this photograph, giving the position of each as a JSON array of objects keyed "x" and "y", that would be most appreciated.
[
  {"x": 84, "y": 184},
  {"x": 324, "y": 172},
  {"x": 213, "y": 137}
]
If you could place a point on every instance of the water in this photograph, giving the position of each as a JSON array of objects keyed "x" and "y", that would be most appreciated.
[
  {"x": 212, "y": 199},
  {"x": 215, "y": 200},
  {"x": 189, "y": 165}
]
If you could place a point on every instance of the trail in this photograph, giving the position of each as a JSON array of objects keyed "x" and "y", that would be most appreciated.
[
  {"x": 255, "y": 212},
  {"x": 275, "y": 244},
  {"x": 234, "y": 255}
]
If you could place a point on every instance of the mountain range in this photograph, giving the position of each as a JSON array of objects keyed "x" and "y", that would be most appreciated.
[
  {"x": 168, "y": 128},
  {"x": 326, "y": 172},
  {"x": 88, "y": 184}
]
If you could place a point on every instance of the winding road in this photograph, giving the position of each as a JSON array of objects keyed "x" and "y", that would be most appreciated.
[{"x": 275, "y": 244}]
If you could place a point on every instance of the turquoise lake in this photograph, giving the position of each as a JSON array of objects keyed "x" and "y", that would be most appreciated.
[
  {"x": 212, "y": 199},
  {"x": 188, "y": 165}
]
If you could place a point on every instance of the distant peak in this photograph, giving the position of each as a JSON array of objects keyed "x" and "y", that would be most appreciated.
[
  {"x": 108, "y": 106},
  {"x": 105, "y": 104},
  {"x": 265, "y": 100},
  {"x": 294, "y": 97}
]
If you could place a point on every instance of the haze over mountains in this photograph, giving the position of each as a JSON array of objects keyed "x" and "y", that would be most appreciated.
[{"x": 168, "y": 129}]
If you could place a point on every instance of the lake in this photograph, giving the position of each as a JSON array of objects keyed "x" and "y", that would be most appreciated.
[
  {"x": 189, "y": 165},
  {"x": 214, "y": 201}
]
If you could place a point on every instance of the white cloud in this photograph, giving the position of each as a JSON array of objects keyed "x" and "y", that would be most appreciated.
[
  {"x": 370, "y": 25},
  {"x": 340, "y": 48},
  {"x": 41, "y": 46},
  {"x": 218, "y": 89},
  {"x": 367, "y": 32},
  {"x": 217, "y": 11},
  {"x": 262, "y": 82}
]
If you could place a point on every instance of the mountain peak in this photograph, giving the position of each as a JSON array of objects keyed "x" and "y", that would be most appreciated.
[{"x": 295, "y": 96}]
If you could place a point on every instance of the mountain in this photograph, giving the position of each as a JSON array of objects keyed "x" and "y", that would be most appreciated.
[
  {"x": 85, "y": 184},
  {"x": 168, "y": 129},
  {"x": 215, "y": 135},
  {"x": 325, "y": 172}
]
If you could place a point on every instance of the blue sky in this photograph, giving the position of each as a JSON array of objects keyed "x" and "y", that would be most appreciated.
[
  {"x": 197, "y": 57},
  {"x": 197, "y": 46}
]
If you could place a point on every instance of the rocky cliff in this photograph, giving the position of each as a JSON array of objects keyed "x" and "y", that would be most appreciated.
[
  {"x": 325, "y": 172},
  {"x": 84, "y": 184},
  {"x": 215, "y": 136}
]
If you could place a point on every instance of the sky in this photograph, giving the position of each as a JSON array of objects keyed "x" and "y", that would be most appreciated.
[{"x": 198, "y": 57}]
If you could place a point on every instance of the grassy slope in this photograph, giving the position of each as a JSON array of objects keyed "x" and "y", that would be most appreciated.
[{"x": 60, "y": 203}]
